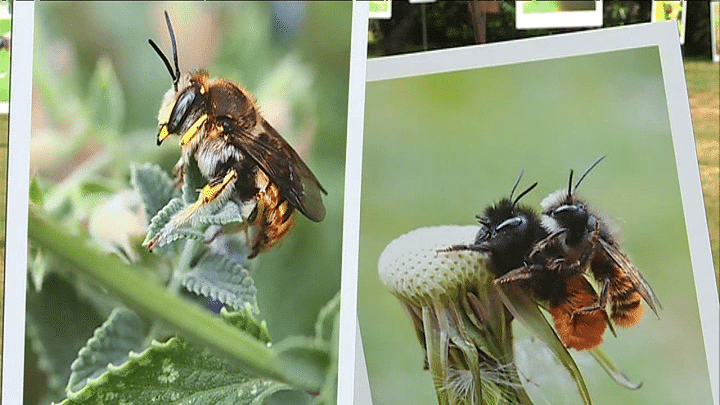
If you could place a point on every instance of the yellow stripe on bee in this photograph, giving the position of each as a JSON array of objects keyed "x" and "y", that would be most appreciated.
[
  {"x": 210, "y": 193},
  {"x": 192, "y": 131},
  {"x": 163, "y": 134}
]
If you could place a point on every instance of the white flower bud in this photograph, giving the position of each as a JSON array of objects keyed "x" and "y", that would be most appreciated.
[{"x": 413, "y": 270}]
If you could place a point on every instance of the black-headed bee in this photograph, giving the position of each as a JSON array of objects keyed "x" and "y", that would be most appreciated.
[
  {"x": 588, "y": 242},
  {"x": 564, "y": 290},
  {"x": 508, "y": 232},
  {"x": 512, "y": 236},
  {"x": 238, "y": 152}
]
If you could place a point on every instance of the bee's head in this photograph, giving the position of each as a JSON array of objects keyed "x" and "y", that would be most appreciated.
[
  {"x": 508, "y": 231},
  {"x": 563, "y": 210},
  {"x": 180, "y": 107}
]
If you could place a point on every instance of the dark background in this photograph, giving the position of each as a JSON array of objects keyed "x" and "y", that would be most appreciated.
[{"x": 450, "y": 24}]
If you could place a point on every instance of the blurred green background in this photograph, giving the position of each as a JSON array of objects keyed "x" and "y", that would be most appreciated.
[
  {"x": 439, "y": 148},
  {"x": 98, "y": 86}
]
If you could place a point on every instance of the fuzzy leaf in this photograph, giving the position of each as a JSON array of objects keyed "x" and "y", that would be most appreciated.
[
  {"x": 153, "y": 185},
  {"x": 222, "y": 280},
  {"x": 176, "y": 373},
  {"x": 58, "y": 325},
  {"x": 526, "y": 310},
  {"x": 163, "y": 217},
  {"x": 110, "y": 345},
  {"x": 181, "y": 233},
  {"x": 228, "y": 214},
  {"x": 244, "y": 320},
  {"x": 618, "y": 376},
  {"x": 166, "y": 225}
]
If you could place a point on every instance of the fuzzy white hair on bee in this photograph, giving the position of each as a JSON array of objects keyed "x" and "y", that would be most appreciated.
[{"x": 565, "y": 203}]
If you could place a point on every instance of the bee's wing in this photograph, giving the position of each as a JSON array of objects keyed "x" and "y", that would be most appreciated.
[
  {"x": 642, "y": 286},
  {"x": 284, "y": 167}
]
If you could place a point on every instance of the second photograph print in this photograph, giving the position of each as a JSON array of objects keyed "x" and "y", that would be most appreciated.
[{"x": 460, "y": 257}]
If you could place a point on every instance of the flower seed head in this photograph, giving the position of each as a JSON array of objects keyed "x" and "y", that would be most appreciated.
[{"x": 413, "y": 270}]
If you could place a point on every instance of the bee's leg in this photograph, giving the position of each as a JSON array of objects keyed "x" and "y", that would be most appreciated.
[
  {"x": 179, "y": 172},
  {"x": 217, "y": 187},
  {"x": 521, "y": 273},
  {"x": 543, "y": 243},
  {"x": 461, "y": 248},
  {"x": 600, "y": 306},
  {"x": 215, "y": 190}
]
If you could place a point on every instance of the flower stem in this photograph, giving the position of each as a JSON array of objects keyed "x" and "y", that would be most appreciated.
[{"x": 151, "y": 300}]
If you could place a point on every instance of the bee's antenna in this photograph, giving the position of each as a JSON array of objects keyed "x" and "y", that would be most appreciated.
[
  {"x": 523, "y": 193},
  {"x": 174, "y": 48},
  {"x": 588, "y": 170},
  {"x": 516, "y": 183},
  {"x": 570, "y": 184},
  {"x": 175, "y": 74},
  {"x": 164, "y": 59}
]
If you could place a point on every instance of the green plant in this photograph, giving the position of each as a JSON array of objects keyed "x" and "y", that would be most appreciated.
[
  {"x": 209, "y": 359},
  {"x": 105, "y": 313}
]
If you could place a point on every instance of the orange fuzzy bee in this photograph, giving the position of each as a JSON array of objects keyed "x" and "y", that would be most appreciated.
[
  {"x": 589, "y": 244},
  {"x": 242, "y": 157}
]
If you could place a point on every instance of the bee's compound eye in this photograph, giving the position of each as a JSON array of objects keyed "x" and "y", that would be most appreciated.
[
  {"x": 513, "y": 222},
  {"x": 181, "y": 110},
  {"x": 568, "y": 210}
]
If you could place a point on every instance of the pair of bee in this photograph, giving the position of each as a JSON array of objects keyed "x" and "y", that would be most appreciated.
[
  {"x": 551, "y": 255},
  {"x": 238, "y": 152}
]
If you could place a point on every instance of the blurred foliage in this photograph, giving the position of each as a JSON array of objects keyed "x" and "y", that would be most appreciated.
[
  {"x": 98, "y": 86},
  {"x": 450, "y": 24}
]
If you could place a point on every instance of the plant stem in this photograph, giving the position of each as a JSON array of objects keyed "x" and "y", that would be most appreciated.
[{"x": 151, "y": 300}]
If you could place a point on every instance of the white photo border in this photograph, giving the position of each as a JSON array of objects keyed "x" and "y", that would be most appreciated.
[
  {"x": 558, "y": 19},
  {"x": 18, "y": 183}
]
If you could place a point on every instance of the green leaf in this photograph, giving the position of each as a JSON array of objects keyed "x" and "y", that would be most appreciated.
[
  {"x": 39, "y": 266},
  {"x": 327, "y": 328},
  {"x": 58, "y": 325},
  {"x": 327, "y": 318},
  {"x": 150, "y": 300},
  {"x": 110, "y": 345},
  {"x": 166, "y": 225},
  {"x": 228, "y": 214},
  {"x": 36, "y": 195},
  {"x": 105, "y": 98},
  {"x": 163, "y": 217},
  {"x": 94, "y": 187},
  {"x": 170, "y": 223},
  {"x": 222, "y": 280},
  {"x": 618, "y": 376},
  {"x": 176, "y": 373},
  {"x": 244, "y": 320},
  {"x": 526, "y": 310},
  {"x": 306, "y": 357},
  {"x": 153, "y": 185}
]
